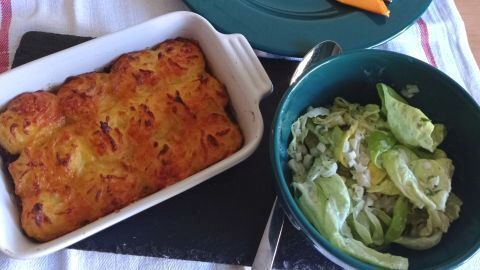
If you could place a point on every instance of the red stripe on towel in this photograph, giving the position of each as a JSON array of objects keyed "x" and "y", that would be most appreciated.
[
  {"x": 425, "y": 40},
  {"x": 6, "y": 8}
]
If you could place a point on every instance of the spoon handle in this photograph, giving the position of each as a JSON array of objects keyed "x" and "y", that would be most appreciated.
[
  {"x": 271, "y": 237},
  {"x": 314, "y": 56}
]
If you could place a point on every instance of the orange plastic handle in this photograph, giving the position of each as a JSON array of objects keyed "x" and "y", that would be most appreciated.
[{"x": 375, "y": 6}]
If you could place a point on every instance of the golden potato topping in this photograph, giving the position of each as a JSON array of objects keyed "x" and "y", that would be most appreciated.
[
  {"x": 29, "y": 116},
  {"x": 108, "y": 139},
  {"x": 82, "y": 97}
]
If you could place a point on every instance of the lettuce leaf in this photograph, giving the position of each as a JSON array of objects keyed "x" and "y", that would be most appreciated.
[
  {"x": 326, "y": 204},
  {"x": 375, "y": 227},
  {"x": 428, "y": 233},
  {"x": 383, "y": 89},
  {"x": 426, "y": 182},
  {"x": 440, "y": 220},
  {"x": 386, "y": 219},
  {"x": 376, "y": 174},
  {"x": 386, "y": 187},
  {"x": 357, "y": 249},
  {"x": 359, "y": 223},
  {"x": 435, "y": 176},
  {"x": 327, "y": 200},
  {"x": 409, "y": 125},
  {"x": 399, "y": 220},
  {"x": 420, "y": 243},
  {"x": 437, "y": 221},
  {"x": 397, "y": 169},
  {"x": 379, "y": 142},
  {"x": 322, "y": 166},
  {"x": 299, "y": 130},
  {"x": 452, "y": 209}
]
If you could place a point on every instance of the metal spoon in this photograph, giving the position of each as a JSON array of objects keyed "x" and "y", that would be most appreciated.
[
  {"x": 271, "y": 235},
  {"x": 315, "y": 55}
]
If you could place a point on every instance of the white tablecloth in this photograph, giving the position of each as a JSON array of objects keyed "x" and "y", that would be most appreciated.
[{"x": 438, "y": 38}]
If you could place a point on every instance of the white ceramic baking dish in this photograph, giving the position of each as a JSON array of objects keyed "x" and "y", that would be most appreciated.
[{"x": 230, "y": 58}]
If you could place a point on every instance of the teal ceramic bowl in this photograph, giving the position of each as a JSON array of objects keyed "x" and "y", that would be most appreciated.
[{"x": 353, "y": 76}]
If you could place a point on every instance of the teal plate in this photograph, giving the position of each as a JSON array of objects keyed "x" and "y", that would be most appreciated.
[{"x": 292, "y": 27}]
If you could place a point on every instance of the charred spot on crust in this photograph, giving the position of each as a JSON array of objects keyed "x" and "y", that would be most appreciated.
[
  {"x": 97, "y": 195},
  {"x": 179, "y": 99},
  {"x": 221, "y": 94},
  {"x": 147, "y": 118},
  {"x": 104, "y": 127},
  {"x": 147, "y": 111},
  {"x": 212, "y": 140},
  {"x": 26, "y": 124},
  {"x": 37, "y": 212},
  {"x": 117, "y": 204},
  {"x": 166, "y": 162},
  {"x": 132, "y": 56},
  {"x": 37, "y": 208},
  {"x": 106, "y": 131},
  {"x": 203, "y": 79},
  {"x": 112, "y": 177},
  {"x": 63, "y": 161},
  {"x": 13, "y": 128},
  {"x": 223, "y": 132},
  {"x": 33, "y": 164},
  {"x": 142, "y": 75},
  {"x": 82, "y": 95},
  {"x": 65, "y": 212},
  {"x": 173, "y": 63},
  {"x": 164, "y": 150}
]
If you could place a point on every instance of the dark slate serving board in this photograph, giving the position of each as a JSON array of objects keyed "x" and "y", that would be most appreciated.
[{"x": 221, "y": 220}]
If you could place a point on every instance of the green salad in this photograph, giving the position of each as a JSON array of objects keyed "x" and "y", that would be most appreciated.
[{"x": 370, "y": 176}]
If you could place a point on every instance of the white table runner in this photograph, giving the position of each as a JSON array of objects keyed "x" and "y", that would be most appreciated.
[{"x": 438, "y": 38}]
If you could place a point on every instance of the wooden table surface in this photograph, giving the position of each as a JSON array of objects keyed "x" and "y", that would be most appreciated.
[{"x": 470, "y": 11}]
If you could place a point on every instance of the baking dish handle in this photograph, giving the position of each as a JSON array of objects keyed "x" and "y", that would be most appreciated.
[{"x": 252, "y": 72}]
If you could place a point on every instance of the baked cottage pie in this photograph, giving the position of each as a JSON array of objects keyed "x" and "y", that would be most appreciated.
[{"x": 107, "y": 139}]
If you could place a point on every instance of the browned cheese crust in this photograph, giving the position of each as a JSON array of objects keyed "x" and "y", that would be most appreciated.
[{"x": 107, "y": 139}]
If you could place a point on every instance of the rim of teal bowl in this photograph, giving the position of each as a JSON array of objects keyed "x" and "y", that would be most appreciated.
[{"x": 294, "y": 212}]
